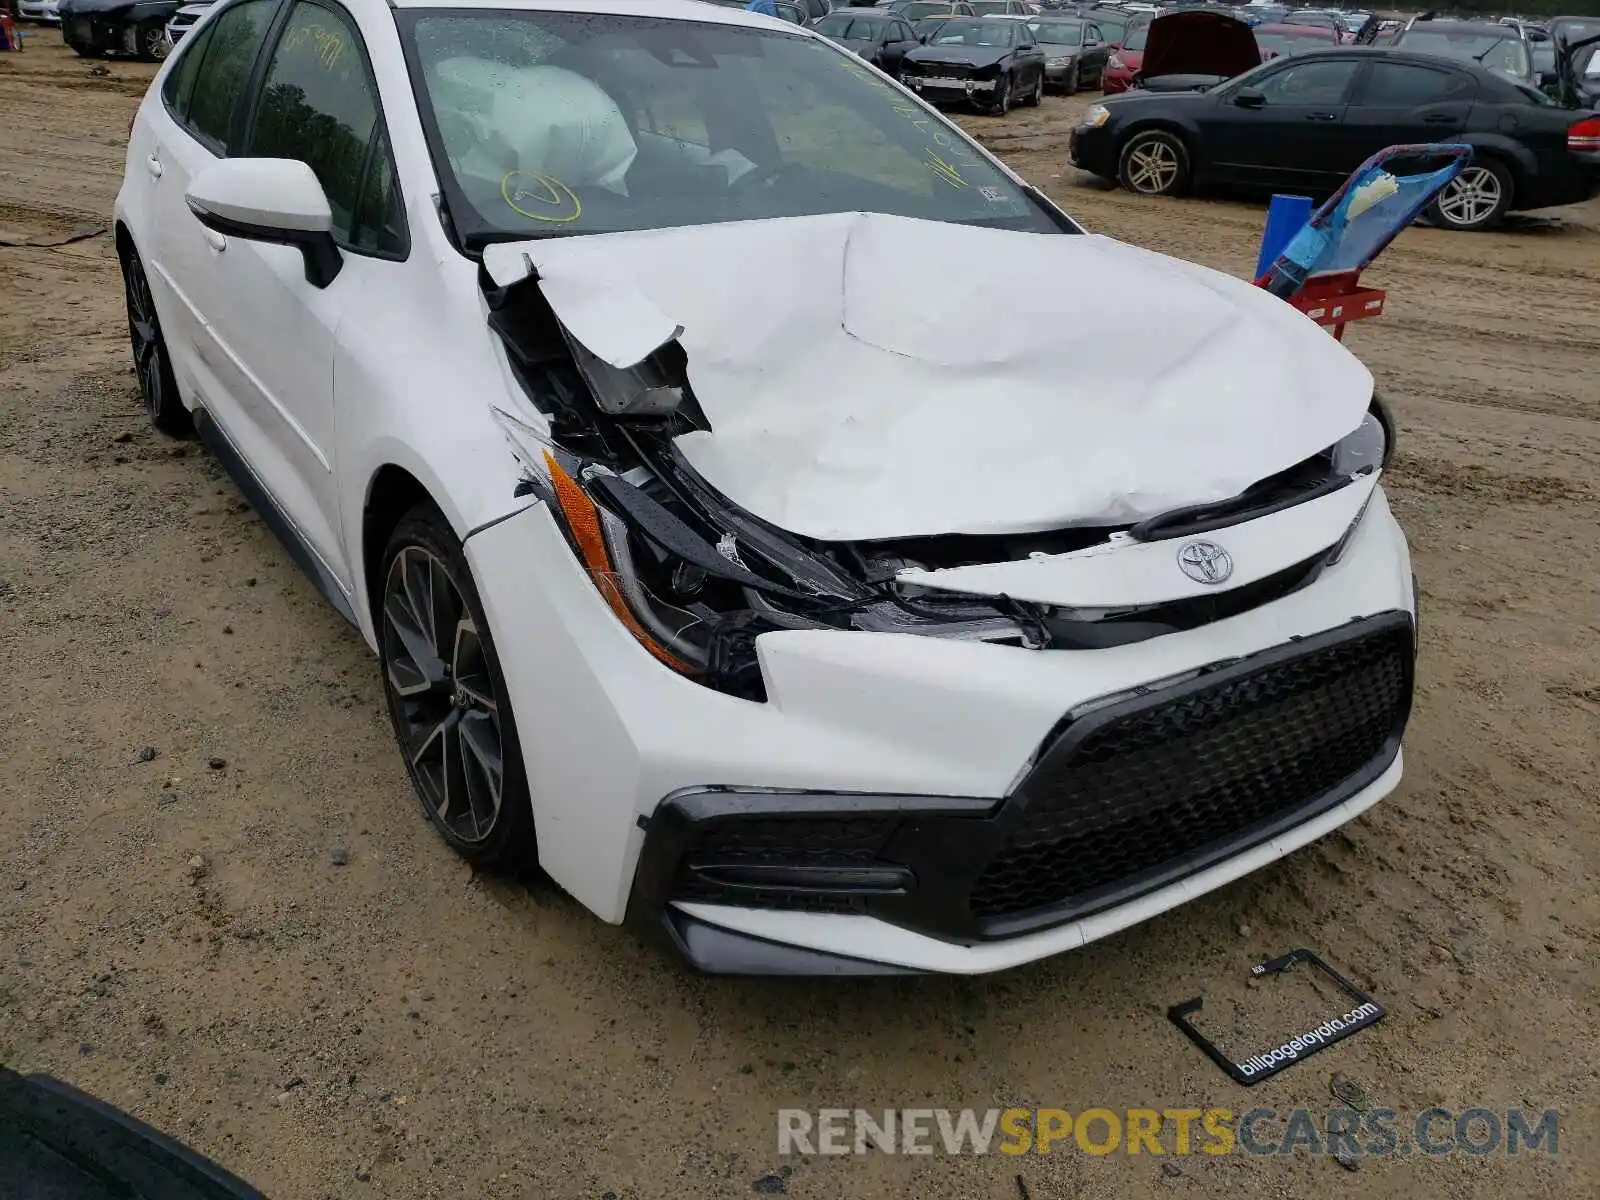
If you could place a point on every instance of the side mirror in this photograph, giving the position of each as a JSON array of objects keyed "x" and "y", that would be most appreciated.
[
  {"x": 1250, "y": 98},
  {"x": 275, "y": 200}
]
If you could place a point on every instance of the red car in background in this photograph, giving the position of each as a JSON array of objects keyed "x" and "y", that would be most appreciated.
[
  {"x": 1121, "y": 66},
  {"x": 1276, "y": 41}
]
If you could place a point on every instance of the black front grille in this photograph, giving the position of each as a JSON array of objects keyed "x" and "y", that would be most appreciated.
[{"x": 1145, "y": 790}]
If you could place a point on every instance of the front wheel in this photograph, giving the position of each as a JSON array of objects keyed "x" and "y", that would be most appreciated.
[
  {"x": 1002, "y": 102},
  {"x": 153, "y": 368},
  {"x": 447, "y": 697},
  {"x": 1154, "y": 163},
  {"x": 1474, "y": 200},
  {"x": 1038, "y": 92},
  {"x": 153, "y": 43},
  {"x": 1071, "y": 87}
]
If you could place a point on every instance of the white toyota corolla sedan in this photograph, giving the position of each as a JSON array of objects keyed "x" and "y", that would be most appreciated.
[{"x": 755, "y": 528}]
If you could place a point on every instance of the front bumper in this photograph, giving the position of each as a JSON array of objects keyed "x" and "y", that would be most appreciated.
[
  {"x": 954, "y": 93},
  {"x": 1089, "y": 148},
  {"x": 1130, "y": 795},
  {"x": 38, "y": 10},
  {"x": 608, "y": 733}
]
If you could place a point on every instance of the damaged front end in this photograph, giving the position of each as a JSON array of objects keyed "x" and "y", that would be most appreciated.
[{"x": 696, "y": 578}]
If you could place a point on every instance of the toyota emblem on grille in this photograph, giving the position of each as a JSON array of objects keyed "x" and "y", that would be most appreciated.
[{"x": 1205, "y": 562}]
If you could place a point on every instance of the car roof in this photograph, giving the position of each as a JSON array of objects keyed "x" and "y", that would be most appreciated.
[
  {"x": 681, "y": 10},
  {"x": 1505, "y": 31},
  {"x": 1315, "y": 31}
]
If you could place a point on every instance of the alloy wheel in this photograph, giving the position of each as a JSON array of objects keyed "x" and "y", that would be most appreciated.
[
  {"x": 145, "y": 334},
  {"x": 442, "y": 695},
  {"x": 1471, "y": 198},
  {"x": 1152, "y": 167}
]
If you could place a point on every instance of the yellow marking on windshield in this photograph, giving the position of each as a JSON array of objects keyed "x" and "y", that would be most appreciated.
[{"x": 550, "y": 191}]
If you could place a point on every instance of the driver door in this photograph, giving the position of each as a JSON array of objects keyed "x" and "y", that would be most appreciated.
[
  {"x": 316, "y": 102},
  {"x": 1284, "y": 127}
]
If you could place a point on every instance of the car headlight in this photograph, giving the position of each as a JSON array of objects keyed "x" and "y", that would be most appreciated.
[
  {"x": 1115, "y": 63},
  {"x": 1056, "y": 62},
  {"x": 1097, "y": 116},
  {"x": 1369, "y": 447}
]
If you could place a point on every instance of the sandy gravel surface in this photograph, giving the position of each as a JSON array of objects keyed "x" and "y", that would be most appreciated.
[{"x": 398, "y": 1027}]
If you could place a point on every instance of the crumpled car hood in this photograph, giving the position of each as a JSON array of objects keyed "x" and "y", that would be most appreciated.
[{"x": 869, "y": 376}]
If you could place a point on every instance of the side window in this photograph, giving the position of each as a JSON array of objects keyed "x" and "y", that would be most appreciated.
[
  {"x": 1322, "y": 82},
  {"x": 178, "y": 90},
  {"x": 1092, "y": 34},
  {"x": 902, "y": 32},
  {"x": 1397, "y": 85},
  {"x": 319, "y": 104},
  {"x": 223, "y": 70}
]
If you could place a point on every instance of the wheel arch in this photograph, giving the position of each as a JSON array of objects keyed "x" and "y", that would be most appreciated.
[
  {"x": 392, "y": 492},
  {"x": 1165, "y": 125},
  {"x": 1519, "y": 163}
]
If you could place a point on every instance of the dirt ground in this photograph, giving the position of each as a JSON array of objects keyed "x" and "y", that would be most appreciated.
[{"x": 397, "y": 1026}]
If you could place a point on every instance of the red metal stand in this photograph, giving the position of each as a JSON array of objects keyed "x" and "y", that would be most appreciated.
[{"x": 1337, "y": 298}]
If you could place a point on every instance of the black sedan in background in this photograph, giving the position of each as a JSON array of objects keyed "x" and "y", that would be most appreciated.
[
  {"x": 1305, "y": 123},
  {"x": 136, "y": 28},
  {"x": 877, "y": 35},
  {"x": 993, "y": 63},
  {"x": 1075, "y": 53}
]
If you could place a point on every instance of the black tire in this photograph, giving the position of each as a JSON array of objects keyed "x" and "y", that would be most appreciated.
[
  {"x": 151, "y": 363},
  {"x": 1475, "y": 200},
  {"x": 1154, "y": 162},
  {"x": 1071, "y": 88},
  {"x": 451, "y": 715},
  {"x": 1035, "y": 96},
  {"x": 153, "y": 43},
  {"x": 86, "y": 51},
  {"x": 1002, "y": 104}
]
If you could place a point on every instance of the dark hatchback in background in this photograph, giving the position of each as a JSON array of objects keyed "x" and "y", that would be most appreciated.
[
  {"x": 881, "y": 37},
  {"x": 136, "y": 28},
  {"x": 992, "y": 63},
  {"x": 1075, "y": 51},
  {"x": 1304, "y": 123},
  {"x": 1501, "y": 48}
]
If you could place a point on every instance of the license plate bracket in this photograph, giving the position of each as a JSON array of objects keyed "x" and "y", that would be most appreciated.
[{"x": 1364, "y": 1011}]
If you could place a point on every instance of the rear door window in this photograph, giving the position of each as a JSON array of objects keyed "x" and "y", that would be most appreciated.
[
  {"x": 223, "y": 70},
  {"x": 1400, "y": 85}
]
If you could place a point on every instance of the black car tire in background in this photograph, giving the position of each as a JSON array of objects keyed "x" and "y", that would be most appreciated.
[
  {"x": 1154, "y": 162},
  {"x": 151, "y": 39},
  {"x": 1002, "y": 92},
  {"x": 1035, "y": 96},
  {"x": 1070, "y": 87},
  {"x": 1475, "y": 200}
]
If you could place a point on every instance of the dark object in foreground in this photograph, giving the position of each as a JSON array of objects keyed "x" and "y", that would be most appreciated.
[
  {"x": 60, "y": 1144},
  {"x": 1363, "y": 1011}
]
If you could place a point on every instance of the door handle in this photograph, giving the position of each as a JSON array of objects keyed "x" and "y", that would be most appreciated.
[
  {"x": 1322, "y": 116},
  {"x": 1440, "y": 119},
  {"x": 214, "y": 239},
  {"x": 153, "y": 165}
]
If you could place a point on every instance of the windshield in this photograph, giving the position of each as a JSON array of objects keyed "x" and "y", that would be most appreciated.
[
  {"x": 1137, "y": 38},
  {"x": 1111, "y": 28},
  {"x": 848, "y": 26},
  {"x": 1506, "y": 54},
  {"x": 925, "y": 8},
  {"x": 989, "y": 8},
  {"x": 968, "y": 32},
  {"x": 1058, "y": 33},
  {"x": 546, "y": 123}
]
